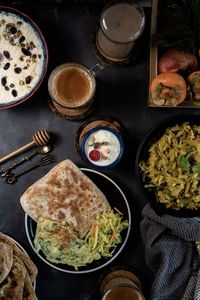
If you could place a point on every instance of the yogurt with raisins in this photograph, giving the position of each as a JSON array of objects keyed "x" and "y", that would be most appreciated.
[
  {"x": 22, "y": 57},
  {"x": 102, "y": 147}
]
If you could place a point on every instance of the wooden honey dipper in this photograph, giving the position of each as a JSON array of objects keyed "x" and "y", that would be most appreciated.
[{"x": 40, "y": 138}]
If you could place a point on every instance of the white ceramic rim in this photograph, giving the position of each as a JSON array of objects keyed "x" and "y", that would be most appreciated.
[{"x": 113, "y": 257}]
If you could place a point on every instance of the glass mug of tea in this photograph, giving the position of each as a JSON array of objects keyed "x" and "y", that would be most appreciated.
[
  {"x": 72, "y": 87},
  {"x": 121, "y": 284},
  {"x": 121, "y": 24}
]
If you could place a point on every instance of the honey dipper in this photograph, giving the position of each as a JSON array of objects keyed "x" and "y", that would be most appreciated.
[{"x": 40, "y": 138}]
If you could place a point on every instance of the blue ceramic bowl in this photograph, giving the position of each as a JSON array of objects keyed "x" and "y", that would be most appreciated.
[
  {"x": 20, "y": 19},
  {"x": 107, "y": 146}
]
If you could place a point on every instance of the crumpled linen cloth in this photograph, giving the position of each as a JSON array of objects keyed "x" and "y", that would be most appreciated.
[{"x": 171, "y": 254}]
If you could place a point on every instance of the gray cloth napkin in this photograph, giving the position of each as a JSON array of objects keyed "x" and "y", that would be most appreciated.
[{"x": 171, "y": 254}]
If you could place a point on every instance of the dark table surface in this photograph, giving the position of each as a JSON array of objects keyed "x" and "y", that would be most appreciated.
[{"x": 121, "y": 93}]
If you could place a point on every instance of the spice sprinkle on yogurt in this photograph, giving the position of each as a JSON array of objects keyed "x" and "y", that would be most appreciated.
[{"x": 21, "y": 58}]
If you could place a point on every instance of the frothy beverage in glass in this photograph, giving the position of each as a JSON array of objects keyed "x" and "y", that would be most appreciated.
[
  {"x": 120, "y": 25},
  {"x": 72, "y": 85},
  {"x": 121, "y": 285}
]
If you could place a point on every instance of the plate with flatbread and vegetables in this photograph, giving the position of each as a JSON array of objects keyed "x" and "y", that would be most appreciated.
[{"x": 77, "y": 219}]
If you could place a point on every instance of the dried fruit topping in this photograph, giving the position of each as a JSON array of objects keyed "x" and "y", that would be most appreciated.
[
  {"x": 12, "y": 85},
  {"x": 22, "y": 39},
  {"x": 95, "y": 155},
  {"x": 97, "y": 145},
  {"x": 6, "y": 54},
  {"x": 32, "y": 45},
  {"x": 3, "y": 80},
  {"x": 26, "y": 52},
  {"x": 6, "y": 88},
  {"x": 13, "y": 30},
  {"x": 6, "y": 66},
  {"x": 9, "y": 25},
  {"x": 14, "y": 93},
  {"x": 105, "y": 143},
  {"x": 17, "y": 70},
  {"x": 12, "y": 41},
  {"x": 28, "y": 79},
  {"x": 21, "y": 82},
  {"x": 17, "y": 35},
  {"x": 1, "y": 57}
]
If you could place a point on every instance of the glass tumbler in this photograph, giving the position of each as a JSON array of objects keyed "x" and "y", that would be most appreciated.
[
  {"x": 121, "y": 24},
  {"x": 121, "y": 284}
]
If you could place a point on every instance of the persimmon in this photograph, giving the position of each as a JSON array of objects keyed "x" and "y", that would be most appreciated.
[
  {"x": 194, "y": 83},
  {"x": 168, "y": 89}
]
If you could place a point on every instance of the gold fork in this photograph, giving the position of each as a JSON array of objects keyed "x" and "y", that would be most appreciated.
[{"x": 47, "y": 159}]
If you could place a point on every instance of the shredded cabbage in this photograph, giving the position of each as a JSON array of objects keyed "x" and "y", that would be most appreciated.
[{"x": 100, "y": 241}]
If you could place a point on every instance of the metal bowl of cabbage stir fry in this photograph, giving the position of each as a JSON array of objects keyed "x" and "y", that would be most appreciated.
[{"x": 168, "y": 166}]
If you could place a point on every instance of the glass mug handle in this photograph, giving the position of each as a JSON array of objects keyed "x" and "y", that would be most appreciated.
[{"x": 97, "y": 69}]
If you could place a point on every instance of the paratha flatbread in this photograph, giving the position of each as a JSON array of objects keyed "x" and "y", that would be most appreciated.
[
  {"x": 28, "y": 291},
  {"x": 6, "y": 259},
  {"x": 30, "y": 266},
  {"x": 17, "y": 274},
  {"x": 65, "y": 194},
  {"x": 26, "y": 261},
  {"x": 12, "y": 286}
]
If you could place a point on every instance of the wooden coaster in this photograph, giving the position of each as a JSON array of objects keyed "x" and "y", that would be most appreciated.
[
  {"x": 108, "y": 60},
  {"x": 119, "y": 277},
  {"x": 70, "y": 114},
  {"x": 104, "y": 121}
]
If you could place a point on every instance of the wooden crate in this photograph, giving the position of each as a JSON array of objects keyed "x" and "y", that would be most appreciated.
[{"x": 188, "y": 102}]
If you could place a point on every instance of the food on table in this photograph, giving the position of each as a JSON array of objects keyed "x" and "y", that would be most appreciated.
[
  {"x": 175, "y": 42},
  {"x": 17, "y": 271},
  {"x": 65, "y": 194},
  {"x": 168, "y": 89},
  {"x": 177, "y": 60},
  {"x": 102, "y": 147},
  {"x": 75, "y": 223},
  {"x": 194, "y": 83},
  {"x": 172, "y": 167},
  {"x": 22, "y": 58},
  {"x": 60, "y": 243}
]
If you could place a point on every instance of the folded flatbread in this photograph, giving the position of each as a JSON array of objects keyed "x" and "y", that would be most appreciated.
[
  {"x": 17, "y": 272},
  {"x": 6, "y": 259},
  {"x": 12, "y": 287},
  {"x": 65, "y": 194}
]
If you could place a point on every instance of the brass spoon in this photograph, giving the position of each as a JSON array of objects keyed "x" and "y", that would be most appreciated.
[{"x": 40, "y": 150}]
